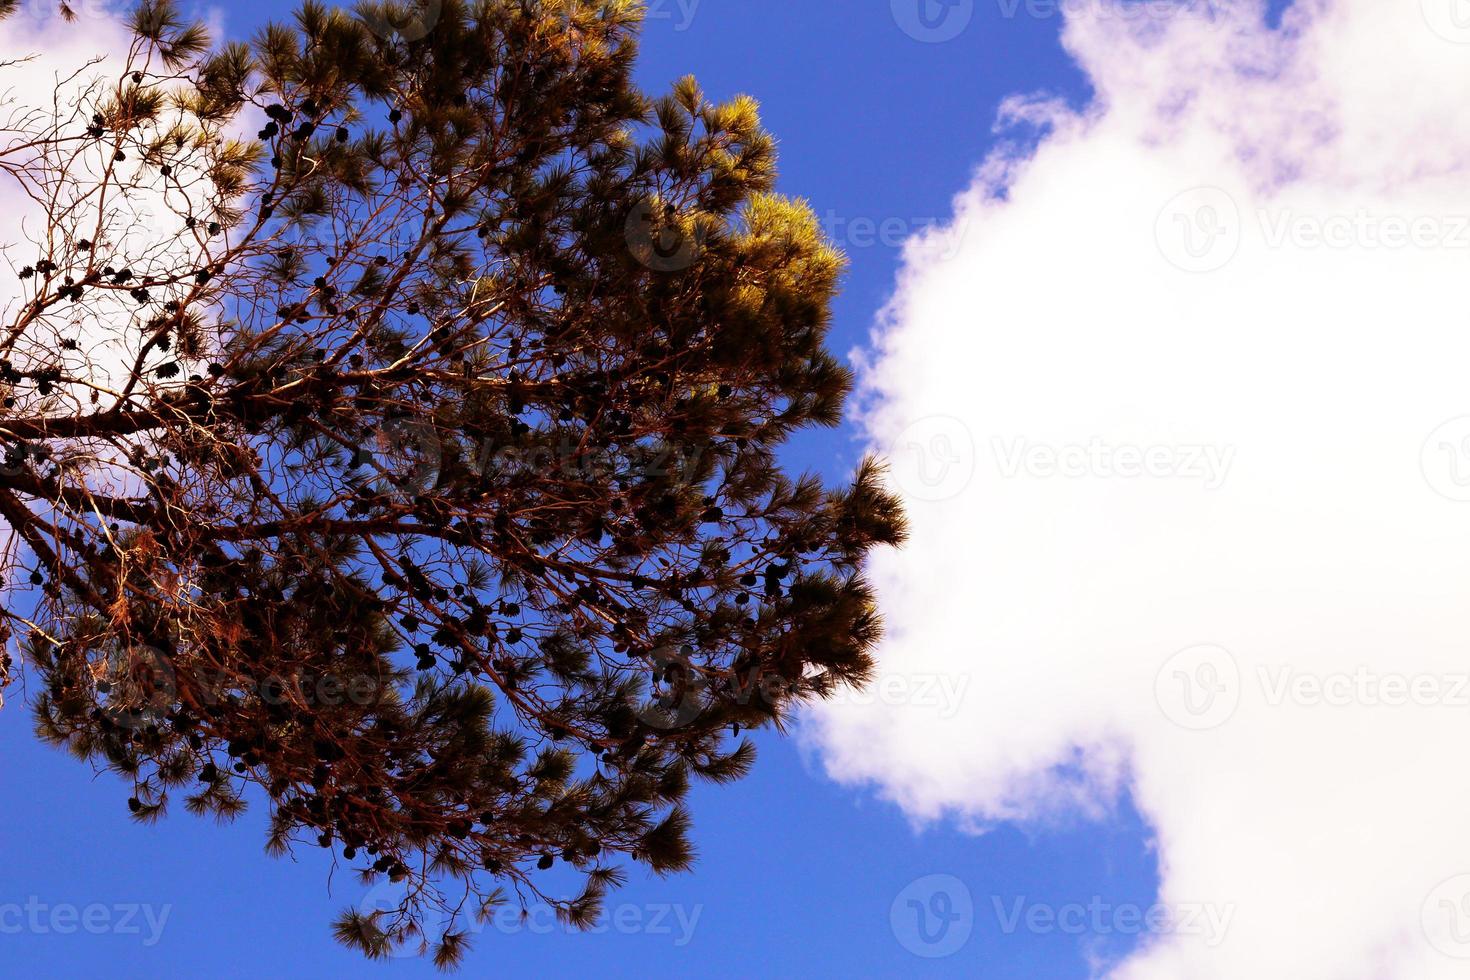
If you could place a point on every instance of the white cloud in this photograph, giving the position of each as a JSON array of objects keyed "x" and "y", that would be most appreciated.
[
  {"x": 1254, "y": 249},
  {"x": 54, "y": 72},
  {"x": 45, "y": 62},
  {"x": 41, "y": 56},
  {"x": 57, "y": 73}
]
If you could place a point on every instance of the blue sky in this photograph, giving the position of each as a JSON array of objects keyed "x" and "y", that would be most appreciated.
[{"x": 798, "y": 875}]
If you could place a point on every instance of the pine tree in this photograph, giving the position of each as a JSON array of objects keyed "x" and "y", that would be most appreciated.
[
  {"x": 8, "y": 7},
  {"x": 419, "y": 477}
]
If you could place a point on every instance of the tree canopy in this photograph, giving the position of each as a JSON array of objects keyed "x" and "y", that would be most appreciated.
[{"x": 391, "y": 416}]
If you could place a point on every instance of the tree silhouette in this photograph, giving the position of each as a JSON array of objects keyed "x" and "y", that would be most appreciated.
[{"x": 413, "y": 459}]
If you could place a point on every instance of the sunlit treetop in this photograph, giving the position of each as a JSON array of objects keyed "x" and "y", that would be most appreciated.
[{"x": 391, "y": 416}]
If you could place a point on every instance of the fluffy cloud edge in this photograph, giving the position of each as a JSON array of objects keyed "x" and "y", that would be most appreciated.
[{"x": 1174, "y": 400}]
